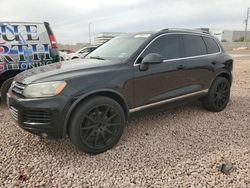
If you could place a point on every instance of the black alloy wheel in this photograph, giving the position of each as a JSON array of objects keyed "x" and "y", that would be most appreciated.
[
  {"x": 222, "y": 94},
  {"x": 100, "y": 126},
  {"x": 218, "y": 96},
  {"x": 97, "y": 125}
]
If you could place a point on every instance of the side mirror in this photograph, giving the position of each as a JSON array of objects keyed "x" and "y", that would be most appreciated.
[{"x": 150, "y": 59}]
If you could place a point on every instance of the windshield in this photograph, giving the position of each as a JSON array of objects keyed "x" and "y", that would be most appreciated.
[{"x": 121, "y": 47}]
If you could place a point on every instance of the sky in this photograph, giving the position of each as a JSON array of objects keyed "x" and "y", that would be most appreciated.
[{"x": 70, "y": 19}]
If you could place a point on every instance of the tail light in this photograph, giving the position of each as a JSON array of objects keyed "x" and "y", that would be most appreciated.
[
  {"x": 52, "y": 41},
  {"x": 51, "y": 36}
]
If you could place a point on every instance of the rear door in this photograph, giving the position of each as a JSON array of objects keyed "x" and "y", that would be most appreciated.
[
  {"x": 161, "y": 81},
  {"x": 199, "y": 64}
]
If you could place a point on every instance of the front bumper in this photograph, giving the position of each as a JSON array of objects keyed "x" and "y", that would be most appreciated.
[{"x": 43, "y": 116}]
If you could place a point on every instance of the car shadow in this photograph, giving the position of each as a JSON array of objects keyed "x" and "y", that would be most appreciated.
[
  {"x": 60, "y": 146},
  {"x": 175, "y": 134}
]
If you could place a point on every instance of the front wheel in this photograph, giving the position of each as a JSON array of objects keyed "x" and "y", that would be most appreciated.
[
  {"x": 97, "y": 125},
  {"x": 218, "y": 96}
]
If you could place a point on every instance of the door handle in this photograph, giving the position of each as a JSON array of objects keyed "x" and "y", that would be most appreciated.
[
  {"x": 180, "y": 67},
  {"x": 214, "y": 63}
]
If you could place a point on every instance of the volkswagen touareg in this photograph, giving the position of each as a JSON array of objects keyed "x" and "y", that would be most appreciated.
[{"x": 91, "y": 99}]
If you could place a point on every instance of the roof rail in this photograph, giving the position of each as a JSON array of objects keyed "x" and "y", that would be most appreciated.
[{"x": 200, "y": 30}]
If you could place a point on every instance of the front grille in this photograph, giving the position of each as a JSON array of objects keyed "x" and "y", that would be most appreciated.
[
  {"x": 14, "y": 112},
  {"x": 18, "y": 88},
  {"x": 37, "y": 117}
]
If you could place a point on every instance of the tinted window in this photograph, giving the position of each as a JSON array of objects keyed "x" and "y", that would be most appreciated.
[
  {"x": 212, "y": 46},
  {"x": 194, "y": 45},
  {"x": 91, "y": 49},
  {"x": 167, "y": 46},
  {"x": 121, "y": 47}
]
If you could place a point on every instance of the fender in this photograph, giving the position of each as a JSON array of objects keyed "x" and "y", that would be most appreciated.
[
  {"x": 84, "y": 96},
  {"x": 228, "y": 73}
]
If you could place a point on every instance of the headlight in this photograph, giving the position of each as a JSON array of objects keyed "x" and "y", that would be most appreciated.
[{"x": 46, "y": 89}]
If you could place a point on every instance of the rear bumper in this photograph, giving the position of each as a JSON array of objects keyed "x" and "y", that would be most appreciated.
[{"x": 40, "y": 116}]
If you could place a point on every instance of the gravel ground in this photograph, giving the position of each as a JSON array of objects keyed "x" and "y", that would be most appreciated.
[{"x": 182, "y": 147}]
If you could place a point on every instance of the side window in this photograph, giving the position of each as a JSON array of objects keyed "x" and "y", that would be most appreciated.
[
  {"x": 193, "y": 45},
  {"x": 168, "y": 46},
  {"x": 212, "y": 46}
]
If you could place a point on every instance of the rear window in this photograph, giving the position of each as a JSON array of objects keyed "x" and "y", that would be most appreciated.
[
  {"x": 194, "y": 45},
  {"x": 212, "y": 46}
]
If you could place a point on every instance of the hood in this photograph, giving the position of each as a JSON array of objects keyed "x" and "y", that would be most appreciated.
[
  {"x": 63, "y": 70},
  {"x": 75, "y": 54}
]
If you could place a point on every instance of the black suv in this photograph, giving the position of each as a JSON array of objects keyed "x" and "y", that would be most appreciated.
[{"x": 90, "y": 100}]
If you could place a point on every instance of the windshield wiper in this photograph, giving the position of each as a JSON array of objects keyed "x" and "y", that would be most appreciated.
[{"x": 96, "y": 57}]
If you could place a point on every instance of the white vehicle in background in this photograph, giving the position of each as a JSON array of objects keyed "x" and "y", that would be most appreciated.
[
  {"x": 63, "y": 56},
  {"x": 82, "y": 52}
]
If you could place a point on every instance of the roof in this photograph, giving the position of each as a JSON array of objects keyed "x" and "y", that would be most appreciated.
[{"x": 172, "y": 30}]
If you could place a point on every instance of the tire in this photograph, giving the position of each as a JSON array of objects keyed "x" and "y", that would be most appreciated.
[
  {"x": 5, "y": 88},
  {"x": 218, "y": 95},
  {"x": 97, "y": 125}
]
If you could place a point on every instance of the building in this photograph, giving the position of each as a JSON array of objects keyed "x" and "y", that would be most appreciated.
[
  {"x": 230, "y": 35},
  {"x": 104, "y": 37},
  {"x": 72, "y": 47}
]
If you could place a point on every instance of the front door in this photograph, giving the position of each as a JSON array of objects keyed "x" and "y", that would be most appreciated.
[{"x": 161, "y": 81}]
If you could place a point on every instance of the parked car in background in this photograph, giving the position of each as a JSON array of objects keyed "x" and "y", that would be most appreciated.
[
  {"x": 24, "y": 45},
  {"x": 91, "y": 99},
  {"x": 82, "y": 52},
  {"x": 64, "y": 56},
  {"x": 67, "y": 51}
]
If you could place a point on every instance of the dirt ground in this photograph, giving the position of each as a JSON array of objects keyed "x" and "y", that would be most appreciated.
[{"x": 181, "y": 147}]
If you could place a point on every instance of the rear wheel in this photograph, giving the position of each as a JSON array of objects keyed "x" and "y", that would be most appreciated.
[
  {"x": 218, "y": 96},
  {"x": 97, "y": 125},
  {"x": 5, "y": 88}
]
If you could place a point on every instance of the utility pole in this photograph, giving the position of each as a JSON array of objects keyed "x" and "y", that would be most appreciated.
[
  {"x": 246, "y": 25},
  {"x": 89, "y": 33},
  {"x": 91, "y": 24}
]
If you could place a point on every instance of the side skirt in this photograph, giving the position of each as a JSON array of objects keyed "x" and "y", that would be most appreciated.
[{"x": 168, "y": 100}]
